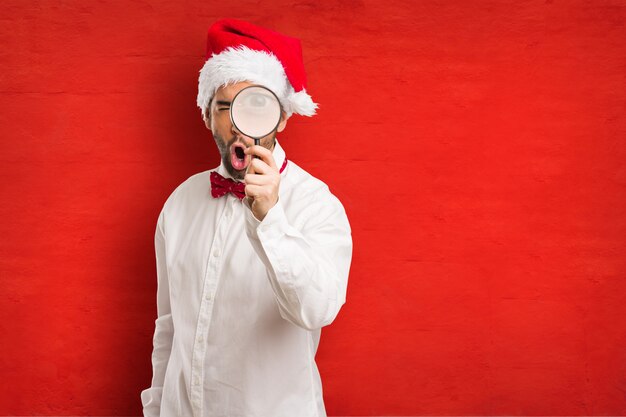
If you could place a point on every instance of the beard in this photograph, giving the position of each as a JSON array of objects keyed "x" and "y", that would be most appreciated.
[{"x": 224, "y": 148}]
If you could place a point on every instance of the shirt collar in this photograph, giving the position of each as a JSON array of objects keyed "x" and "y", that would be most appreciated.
[{"x": 279, "y": 158}]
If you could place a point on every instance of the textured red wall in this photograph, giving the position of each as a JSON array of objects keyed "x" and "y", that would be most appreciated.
[{"x": 489, "y": 279}]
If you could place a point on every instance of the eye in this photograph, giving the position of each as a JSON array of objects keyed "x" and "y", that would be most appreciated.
[{"x": 257, "y": 100}]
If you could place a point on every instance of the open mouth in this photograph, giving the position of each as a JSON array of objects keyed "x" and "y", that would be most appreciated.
[{"x": 238, "y": 159}]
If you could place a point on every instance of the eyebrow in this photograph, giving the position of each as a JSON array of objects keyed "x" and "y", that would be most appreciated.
[{"x": 222, "y": 103}]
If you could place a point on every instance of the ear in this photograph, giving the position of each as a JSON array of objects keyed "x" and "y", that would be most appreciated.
[
  {"x": 283, "y": 121},
  {"x": 206, "y": 116}
]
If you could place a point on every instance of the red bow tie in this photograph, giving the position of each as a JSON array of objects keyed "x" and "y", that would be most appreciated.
[{"x": 220, "y": 185}]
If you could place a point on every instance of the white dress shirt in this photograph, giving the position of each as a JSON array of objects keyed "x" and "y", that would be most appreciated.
[{"x": 241, "y": 303}]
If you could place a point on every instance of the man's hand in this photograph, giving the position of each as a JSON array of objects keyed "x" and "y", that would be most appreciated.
[{"x": 262, "y": 180}]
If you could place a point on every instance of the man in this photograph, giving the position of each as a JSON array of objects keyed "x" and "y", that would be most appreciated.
[{"x": 252, "y": 256}]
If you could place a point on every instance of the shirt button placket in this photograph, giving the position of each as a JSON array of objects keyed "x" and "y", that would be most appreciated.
[{"x": 206, "y": 308}]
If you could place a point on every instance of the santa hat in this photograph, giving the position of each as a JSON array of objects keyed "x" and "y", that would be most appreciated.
[{"x": 240, "y": 51}]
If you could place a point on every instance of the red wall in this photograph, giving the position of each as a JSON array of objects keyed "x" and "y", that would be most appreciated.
[{"x": 488, "y": 280}]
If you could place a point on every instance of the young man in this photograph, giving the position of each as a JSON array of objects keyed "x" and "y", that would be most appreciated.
[{"x": 252, "y": 256}]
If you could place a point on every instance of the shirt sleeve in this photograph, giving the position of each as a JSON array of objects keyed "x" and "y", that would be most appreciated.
[
  {"x": 164, "y": 330},
  {"x": 307, "y": 265}
]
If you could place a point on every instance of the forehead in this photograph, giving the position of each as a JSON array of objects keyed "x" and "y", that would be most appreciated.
[{"x": 227, "y": 92}]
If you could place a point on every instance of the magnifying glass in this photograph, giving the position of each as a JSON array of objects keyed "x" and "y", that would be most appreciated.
[{"x": 255, "y": 112}]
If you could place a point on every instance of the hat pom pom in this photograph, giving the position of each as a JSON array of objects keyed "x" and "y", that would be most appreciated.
[{"x": 301, "y": 103}]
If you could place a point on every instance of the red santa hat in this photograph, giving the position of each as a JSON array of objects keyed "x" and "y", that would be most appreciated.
[{"x": 240, "y": 51}]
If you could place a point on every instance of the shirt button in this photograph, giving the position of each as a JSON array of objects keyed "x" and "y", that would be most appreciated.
[
  {"x": 208, "y": 296},
  {"x": 196, "y": 381},
  {"x": 216, "y": 253}
]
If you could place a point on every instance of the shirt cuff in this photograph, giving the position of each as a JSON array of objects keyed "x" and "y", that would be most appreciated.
[{"x": 274, "y": 223}]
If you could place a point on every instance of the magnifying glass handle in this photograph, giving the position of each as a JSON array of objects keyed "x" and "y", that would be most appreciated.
[{"x": 257, "y": 142}]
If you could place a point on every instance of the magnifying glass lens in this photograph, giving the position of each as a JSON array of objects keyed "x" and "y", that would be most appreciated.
[{"x": 255, "y": 111}]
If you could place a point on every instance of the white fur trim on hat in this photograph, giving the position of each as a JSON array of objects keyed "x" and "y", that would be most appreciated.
[{"x": 236, "y": 64}]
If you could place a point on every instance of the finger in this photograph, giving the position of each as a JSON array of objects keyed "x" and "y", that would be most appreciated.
[
  {"x": 263, "y": 153},
  {"x": 257, "y": 166},
  {"x": 252, "y": 168},
  {"x": 254, "y": 191},
  {"x": 257, "y": 179}
]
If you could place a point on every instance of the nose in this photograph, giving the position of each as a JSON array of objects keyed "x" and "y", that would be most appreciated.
[
  {"x": 247, "y": 140},
  {"x": 234, "y": 129}
]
